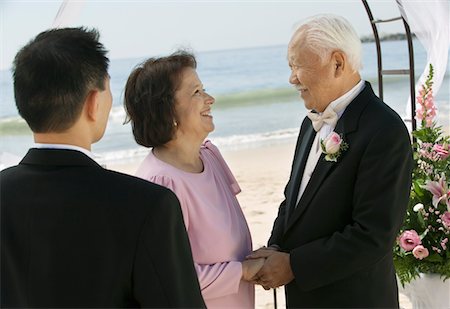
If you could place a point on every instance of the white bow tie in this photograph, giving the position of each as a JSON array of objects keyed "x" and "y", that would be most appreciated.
[{"x": 329, "y": 116}]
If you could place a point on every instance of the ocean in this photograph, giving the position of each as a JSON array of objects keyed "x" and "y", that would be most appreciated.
[{"x": 255, "y": 104}]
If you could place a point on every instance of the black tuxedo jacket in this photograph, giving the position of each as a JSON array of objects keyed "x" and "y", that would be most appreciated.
[
  {"x": 76, "y": 235},
  {"x": 341, "y": 233}
]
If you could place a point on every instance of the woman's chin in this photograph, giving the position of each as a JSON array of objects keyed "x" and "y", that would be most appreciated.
[{"x": 210, "y": 127}]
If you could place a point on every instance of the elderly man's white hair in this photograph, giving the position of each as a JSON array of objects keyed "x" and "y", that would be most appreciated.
[{"x": 326, "y": 33}]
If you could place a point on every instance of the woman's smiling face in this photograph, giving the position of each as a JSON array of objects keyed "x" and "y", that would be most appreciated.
[{"x": 193, "y": 106}]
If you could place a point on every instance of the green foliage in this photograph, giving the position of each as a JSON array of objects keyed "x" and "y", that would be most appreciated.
[{"x": 431, "y": 165}]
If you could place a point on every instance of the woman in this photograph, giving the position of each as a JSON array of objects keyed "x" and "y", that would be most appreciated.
[{"x": 170, "y": 111}]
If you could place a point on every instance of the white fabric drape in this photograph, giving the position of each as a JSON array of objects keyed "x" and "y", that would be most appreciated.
[
  {"x": 429, "y": 21},
  {"x": 68, "y": 12}
]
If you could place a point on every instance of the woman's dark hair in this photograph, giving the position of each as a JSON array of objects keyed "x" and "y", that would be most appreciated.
[
  {"x": 150, "y": 97},
  {"x": 53, "y": 75}
]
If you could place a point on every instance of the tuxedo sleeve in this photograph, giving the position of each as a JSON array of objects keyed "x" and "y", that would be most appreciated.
[
  {"x": 164, "y": 273},
  {"x": 379, "y": 201}
]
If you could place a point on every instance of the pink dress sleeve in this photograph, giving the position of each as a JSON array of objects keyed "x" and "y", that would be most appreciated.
[
  {"x": 219, "y": 279},
  {"x": 230, "y": 177},
  {"x": 170, "y": 184}
]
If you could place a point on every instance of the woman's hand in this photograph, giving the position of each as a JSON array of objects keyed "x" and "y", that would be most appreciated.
[{"x": 251, "y": 267}]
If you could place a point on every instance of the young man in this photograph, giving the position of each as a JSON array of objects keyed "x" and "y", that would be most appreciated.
[{"x": 72, "y": 233}]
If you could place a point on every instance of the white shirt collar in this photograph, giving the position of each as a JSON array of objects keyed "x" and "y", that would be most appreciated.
[
  {"x": 65, "y": 146},
  {"x": 341, "y": 103}
]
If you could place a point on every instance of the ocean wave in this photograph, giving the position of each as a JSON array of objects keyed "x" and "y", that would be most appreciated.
[
  {"x": 224, "y": 143},
  {"x": 14, "y": 126},
  {"x": 268, "y": 95},
  {"x": 18, "y": 126},
  {"x": 123, "y": 156},
  {"x": 233, "y": 100},
  {"x": 250, "y": 140}
]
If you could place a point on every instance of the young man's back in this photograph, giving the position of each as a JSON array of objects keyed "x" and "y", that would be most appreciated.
[{"x": 75, "y": 234}]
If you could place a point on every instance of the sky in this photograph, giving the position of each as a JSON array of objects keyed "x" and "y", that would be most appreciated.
[{"x": 147, "y": 28}]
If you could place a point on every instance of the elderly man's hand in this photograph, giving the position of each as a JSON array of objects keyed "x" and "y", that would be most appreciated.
[{"x": 276, "y": 270}]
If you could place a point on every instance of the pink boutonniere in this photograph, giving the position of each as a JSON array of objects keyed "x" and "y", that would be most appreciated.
[{"x": 333, "y": 146}]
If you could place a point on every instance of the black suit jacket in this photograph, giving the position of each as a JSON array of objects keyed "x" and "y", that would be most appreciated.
[
  {"x": 76, "y": 235},
  {"x": 341, "y": 233}
]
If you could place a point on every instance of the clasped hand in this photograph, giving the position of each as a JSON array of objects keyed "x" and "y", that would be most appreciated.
[{"x": 268, "y": 267}]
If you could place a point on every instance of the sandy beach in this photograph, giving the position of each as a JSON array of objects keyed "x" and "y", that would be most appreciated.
[{"x": 262, "y": 174}]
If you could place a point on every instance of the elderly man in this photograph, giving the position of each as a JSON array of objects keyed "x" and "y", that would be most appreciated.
[{"x": 331, "y": 244}]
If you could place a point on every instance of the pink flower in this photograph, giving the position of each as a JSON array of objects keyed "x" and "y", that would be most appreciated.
[
  {"x": 421, "y": 94},
  {"x": 444, "y": 243},
  {"x": 442, "y": 150},
  {"x": 408, "y": 240},
  {"x": 420, "y": 112},
  {"x": 446, "y": 219},
  {"x": 332, "y": 146},
  {"x": 420, "y": 252},
  {"x": 436, "y": 249},
  {"x": 426, "y": 150},
  {"x": 440, "y": 191},
  {"x": 429, "y": 104},
  {"x": 332, "y": 143},
  {"x": 426, "y": 110}
]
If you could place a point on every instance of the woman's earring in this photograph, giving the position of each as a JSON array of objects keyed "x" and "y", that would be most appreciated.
[{"x": 175, "y": 123}]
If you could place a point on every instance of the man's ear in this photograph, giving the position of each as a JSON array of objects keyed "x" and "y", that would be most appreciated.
[
  {"x": 340, "y": 63},
  {"x": 91, "y": 105}
]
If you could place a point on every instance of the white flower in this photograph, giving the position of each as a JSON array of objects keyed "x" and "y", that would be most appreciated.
[{"x": 418, "y": 207}]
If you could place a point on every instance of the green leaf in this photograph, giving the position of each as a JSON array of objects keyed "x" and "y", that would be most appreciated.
[
  {"x": 421, "y": 221},
  {"x": 422, "y": 236},
  {"x": 435, "y": 258},
  {"x": 417, "y": 183}
]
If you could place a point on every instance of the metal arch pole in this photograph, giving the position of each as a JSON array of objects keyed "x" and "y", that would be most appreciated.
[
  {"x": 378, "y": 45},
  {"x": 412, "y": 83},
  {"x": 275, "y": 305}
]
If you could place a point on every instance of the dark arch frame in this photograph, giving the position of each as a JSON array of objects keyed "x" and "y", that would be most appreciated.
[{"x": 381, "y": 71}]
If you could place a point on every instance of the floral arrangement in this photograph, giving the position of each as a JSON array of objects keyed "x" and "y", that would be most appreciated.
[
  {"x": 423, "y": 243},
  {"x": 333, "y": 146}
]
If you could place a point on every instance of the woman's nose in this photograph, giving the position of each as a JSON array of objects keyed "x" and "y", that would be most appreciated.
[{"x": 209, "y": 99}]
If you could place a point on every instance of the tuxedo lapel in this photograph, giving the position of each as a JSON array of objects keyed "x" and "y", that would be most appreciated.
[
  {"x": 322, "y": 169},
  {"x": 299, "y": 166},
  {"x": 346, "y": 125}
]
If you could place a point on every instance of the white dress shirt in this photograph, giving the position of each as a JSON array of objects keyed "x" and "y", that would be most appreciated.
[
  {"x": 65, "y": 146},
  {"x": 339, "y": 106}
]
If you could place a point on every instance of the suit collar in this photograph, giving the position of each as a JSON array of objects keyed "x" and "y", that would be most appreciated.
[
  {"x": 65, "y": 146},
  {"x": 57, "y": 157},
  {"x": 350, "y": 119},
  {"x": 347, "y": 124}
]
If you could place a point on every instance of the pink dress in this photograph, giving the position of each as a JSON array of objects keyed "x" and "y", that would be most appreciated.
[{"x": 216, "y": 226}]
